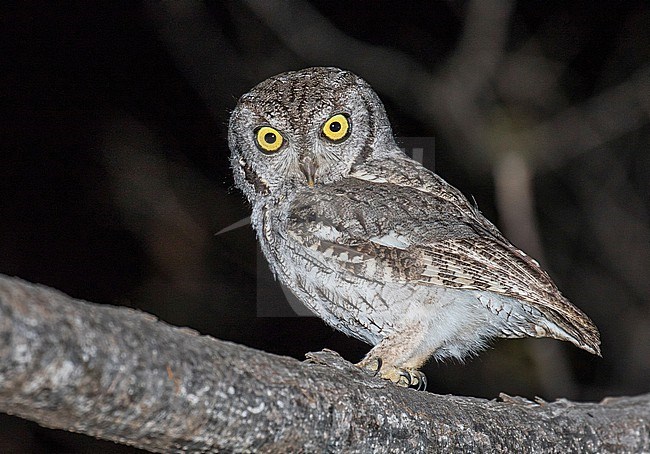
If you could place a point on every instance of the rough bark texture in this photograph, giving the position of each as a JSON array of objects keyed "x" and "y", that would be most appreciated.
[{"x": 122, "y": 375}]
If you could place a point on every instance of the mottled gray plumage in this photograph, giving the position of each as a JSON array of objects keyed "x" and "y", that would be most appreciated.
[{"x": 375, "y": 244}]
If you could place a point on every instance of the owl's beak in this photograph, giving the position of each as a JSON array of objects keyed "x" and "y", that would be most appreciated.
[{"x": 308, "y": 167}]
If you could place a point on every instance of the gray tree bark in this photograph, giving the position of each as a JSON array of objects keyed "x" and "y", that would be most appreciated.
[{"x": 121, "y": 375}]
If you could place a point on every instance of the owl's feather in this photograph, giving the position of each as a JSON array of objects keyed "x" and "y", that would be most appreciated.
[{"x": 439, "y": 240}]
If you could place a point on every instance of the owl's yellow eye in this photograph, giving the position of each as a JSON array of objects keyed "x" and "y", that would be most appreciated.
[
  {"x": 337, "y": 128},
  {"x": 268, "y": 139}
]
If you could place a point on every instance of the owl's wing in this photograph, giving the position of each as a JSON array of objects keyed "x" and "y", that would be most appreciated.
[
  {"x": 392, "y": 233},
  {"x": 493, "y": 266}
]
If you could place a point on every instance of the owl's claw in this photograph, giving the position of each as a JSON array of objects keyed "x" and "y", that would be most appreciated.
[
  {"x": 422, "y": 386},
  {"x": 404, "y": 378},
  {"x": 418, "y": 379},
  {"x": 400, "y": 376},
  {"x": 379, "y": 364}
]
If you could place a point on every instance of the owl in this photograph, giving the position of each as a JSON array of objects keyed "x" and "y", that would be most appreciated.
[{"x": 375, "y": 244}]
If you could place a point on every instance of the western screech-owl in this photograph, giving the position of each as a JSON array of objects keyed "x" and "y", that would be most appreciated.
[{"x": 375, "y": 244}]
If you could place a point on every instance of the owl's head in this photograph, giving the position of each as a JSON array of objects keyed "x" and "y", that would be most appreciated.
[{"x": 303, "y": 129}]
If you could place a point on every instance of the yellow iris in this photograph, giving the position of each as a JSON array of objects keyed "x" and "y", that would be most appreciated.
[
  {"x": 337, "y": 128},
  {"x": 268, "y": 139}
]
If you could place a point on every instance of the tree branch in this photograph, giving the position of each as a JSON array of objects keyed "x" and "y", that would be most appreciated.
[{"x": 121, "y": 375}]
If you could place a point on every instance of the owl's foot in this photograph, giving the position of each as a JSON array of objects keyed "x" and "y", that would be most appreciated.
[
  {"x": 400, "y": 376},
  {"x": 408, "y": 378}
]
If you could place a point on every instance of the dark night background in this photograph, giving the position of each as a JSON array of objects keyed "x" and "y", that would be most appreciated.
[{"x": 114, "y": 172}]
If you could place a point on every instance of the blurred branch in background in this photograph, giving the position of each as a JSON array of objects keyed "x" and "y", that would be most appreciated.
[
  {"x": 618, "y": 221},
  {"x": 586, "y": 126}
]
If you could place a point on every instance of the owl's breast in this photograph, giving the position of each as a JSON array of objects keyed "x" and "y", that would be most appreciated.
[{"x": 368, "y": 309}]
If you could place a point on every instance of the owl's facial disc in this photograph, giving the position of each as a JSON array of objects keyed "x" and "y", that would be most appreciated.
[{"x": 305, "y": 129}]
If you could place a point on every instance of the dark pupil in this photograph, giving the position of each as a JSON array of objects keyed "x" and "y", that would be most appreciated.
[
  {"x": 269, "y": 137},
  {"x": 335, "y": 126}
]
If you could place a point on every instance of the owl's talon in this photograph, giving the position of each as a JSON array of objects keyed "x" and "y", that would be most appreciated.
[
  {"x": 420, "y": 379},
  {"x": 423, "y": 381},
  {"x": 400, "y": 376},
  {"x": 372, "y": 365},
  {"x": 404, "y": 374},
  {"x": 379, "y": 364}
]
